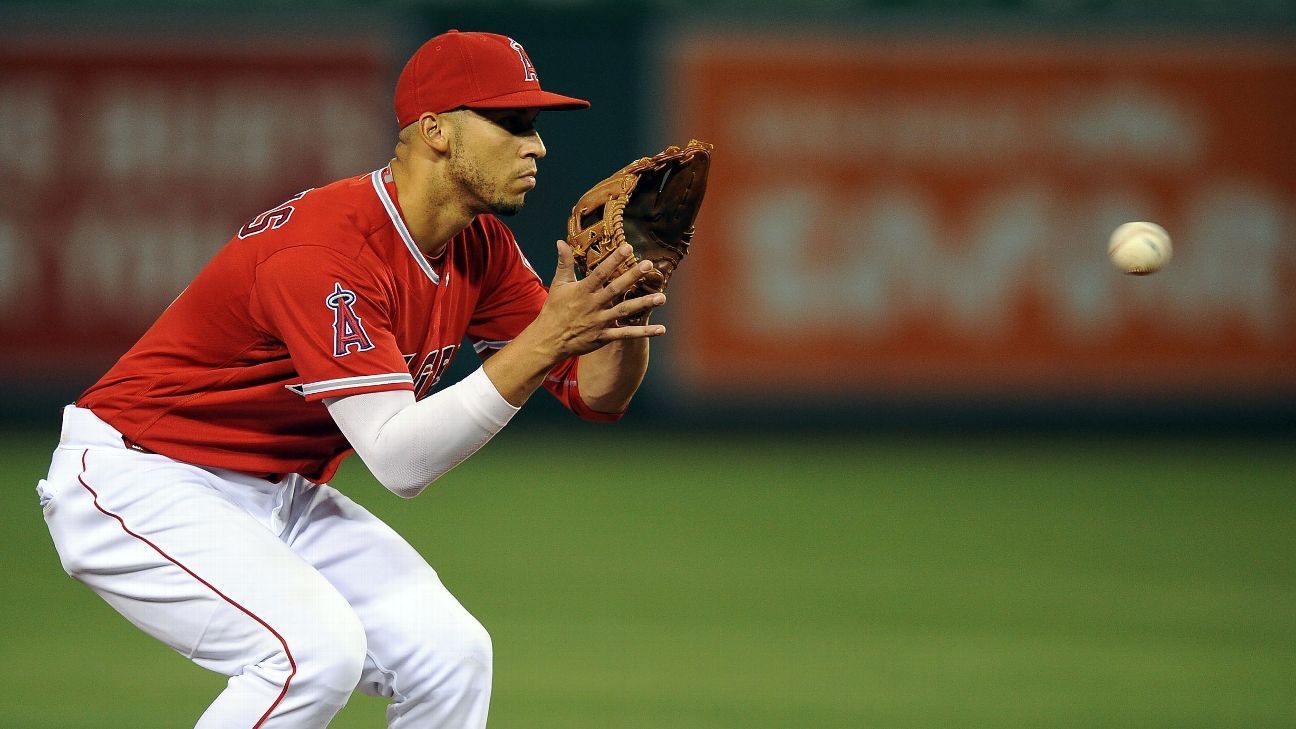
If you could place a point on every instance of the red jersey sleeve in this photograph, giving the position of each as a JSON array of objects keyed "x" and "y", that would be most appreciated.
[
  {"x": 511, "y": 299},
  {"x": 334, "y": 316},
  {"x": 561, "y": 381}
]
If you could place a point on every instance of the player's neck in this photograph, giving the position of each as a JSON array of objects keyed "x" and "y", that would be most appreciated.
[{"x": 431, "y": 213}]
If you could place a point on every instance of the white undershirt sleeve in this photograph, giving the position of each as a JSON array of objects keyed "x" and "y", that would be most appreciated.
[{"x": 408, "y": 444}]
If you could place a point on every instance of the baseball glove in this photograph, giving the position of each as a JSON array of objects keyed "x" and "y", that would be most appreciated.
[{"x": 651, "y": 204}]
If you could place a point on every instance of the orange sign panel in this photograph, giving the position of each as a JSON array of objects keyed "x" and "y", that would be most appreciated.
[{"x": 893, "y": 216}]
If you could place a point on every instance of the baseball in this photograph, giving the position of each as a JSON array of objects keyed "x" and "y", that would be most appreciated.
[{"x": 1139, "y": 248}]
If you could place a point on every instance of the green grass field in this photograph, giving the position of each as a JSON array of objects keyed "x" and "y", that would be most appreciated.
[{"x": 767, "y": 582}]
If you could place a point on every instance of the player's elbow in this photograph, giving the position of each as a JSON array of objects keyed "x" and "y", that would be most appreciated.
[
  {"x": 406, "y": 491},
  {"x": 593, "y": 415},
  {"x": 403, "y": 485},
  {"x": 409, "y": 474}
]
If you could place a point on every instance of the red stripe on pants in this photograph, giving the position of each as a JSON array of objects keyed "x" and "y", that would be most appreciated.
[{"x": 206, "y": 584}]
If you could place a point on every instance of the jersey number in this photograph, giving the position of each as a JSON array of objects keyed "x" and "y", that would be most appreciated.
[{"x": 270, "y": 219}]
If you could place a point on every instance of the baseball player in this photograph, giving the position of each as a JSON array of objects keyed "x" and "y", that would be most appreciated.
[{"x": 189, "y": 487}]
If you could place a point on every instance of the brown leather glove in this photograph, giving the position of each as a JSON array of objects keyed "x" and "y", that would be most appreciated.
[{"x": 651, "y": 204}]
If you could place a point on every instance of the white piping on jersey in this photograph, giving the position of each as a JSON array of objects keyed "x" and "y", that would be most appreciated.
[
  {"x": 483, "y": 345},
  {"x": 377, "y": 178},
  {"x": 525, "y": 262},
  {"x": 314, "y": 388}
]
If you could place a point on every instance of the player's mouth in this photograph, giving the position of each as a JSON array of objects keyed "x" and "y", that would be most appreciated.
[{"x": 528, "y": 179}]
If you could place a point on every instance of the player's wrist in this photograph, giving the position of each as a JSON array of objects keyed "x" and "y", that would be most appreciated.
[
  {"x": 541, "y": 348},
  {"x": 519, "y": 368}
]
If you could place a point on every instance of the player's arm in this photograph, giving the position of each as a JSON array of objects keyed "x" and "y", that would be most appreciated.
[
  {"x": 610, "y": 375},
  {"x": 408, "y": 444}
]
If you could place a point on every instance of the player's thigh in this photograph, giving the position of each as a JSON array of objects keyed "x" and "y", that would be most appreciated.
[
  {"x": 409, "y": 616},
  {"x": 158, "y": 542}
]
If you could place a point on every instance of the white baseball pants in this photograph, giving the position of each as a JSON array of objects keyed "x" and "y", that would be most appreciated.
[{"x": 292, "y": 590}]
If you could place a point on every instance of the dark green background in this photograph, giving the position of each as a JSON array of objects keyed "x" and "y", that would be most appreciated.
[{"x": 710, "y": 581}]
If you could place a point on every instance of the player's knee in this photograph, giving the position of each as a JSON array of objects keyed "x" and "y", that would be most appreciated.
[
  {"x": 329, "y": 657},
  {"x": 458, "y": 660},
  {"x": 473, "y": 642}
]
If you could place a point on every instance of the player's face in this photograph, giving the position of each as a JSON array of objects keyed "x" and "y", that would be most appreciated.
[{"x": 493, "y": 157}]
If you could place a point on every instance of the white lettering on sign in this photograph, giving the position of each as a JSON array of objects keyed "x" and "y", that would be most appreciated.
[
  {"x": 111, "y": 211},
  {"x": 228, "y": 130},
  {"x": 17, "y": 267},
  {"x": 26, "y": 118},
  {"x": 884, "y": 253},
  {"x": 136, "y": 265},
  {"x": 1080, "y": 126}
]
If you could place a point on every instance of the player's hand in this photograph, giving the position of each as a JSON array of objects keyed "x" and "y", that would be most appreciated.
[{"x": 581, "y": 315}]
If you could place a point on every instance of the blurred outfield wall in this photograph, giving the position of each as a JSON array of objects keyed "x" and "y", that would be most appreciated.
[{"x": 907, "y": 215}]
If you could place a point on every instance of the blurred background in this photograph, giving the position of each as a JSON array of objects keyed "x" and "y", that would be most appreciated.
[{"x": 913, "y": 453}]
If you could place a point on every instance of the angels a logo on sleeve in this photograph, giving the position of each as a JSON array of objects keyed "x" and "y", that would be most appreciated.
[{"x": 348, "y": 329}]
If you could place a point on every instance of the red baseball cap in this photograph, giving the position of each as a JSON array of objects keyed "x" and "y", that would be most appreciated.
[{"x": 476, "y": 70}]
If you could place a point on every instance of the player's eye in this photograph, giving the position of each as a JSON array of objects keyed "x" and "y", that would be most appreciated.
[{"x": 517, "y": 124}]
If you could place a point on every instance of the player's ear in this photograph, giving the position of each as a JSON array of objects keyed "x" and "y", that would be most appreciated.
[{"x": 433, "y": 131}]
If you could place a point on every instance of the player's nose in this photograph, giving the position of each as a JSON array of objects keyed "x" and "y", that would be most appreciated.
[{"x": 534, "y": 147}]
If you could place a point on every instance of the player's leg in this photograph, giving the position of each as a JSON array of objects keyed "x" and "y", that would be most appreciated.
[
  {"x": 426, "y": 652},
  {"x": 161, "y": 543}
]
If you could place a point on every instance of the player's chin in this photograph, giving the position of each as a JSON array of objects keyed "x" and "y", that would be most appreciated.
[{"x": 511, "y": 206}]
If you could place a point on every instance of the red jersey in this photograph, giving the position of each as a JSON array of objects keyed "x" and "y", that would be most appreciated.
[{"x": 324, "y": 296}]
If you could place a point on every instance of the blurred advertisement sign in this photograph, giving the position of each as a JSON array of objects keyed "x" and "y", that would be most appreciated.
[
  {"x": 126, "y": 166},
  {"x": 911, "y": 216}
]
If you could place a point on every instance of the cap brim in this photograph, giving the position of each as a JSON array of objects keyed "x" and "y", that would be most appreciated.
[{"x": 530, "y": 98}]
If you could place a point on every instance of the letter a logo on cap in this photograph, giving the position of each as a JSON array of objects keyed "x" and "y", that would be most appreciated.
[{"x": 527, "y": 68}]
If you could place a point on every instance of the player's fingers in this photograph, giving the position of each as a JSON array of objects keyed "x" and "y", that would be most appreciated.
[
  {"x": 566, "y": 271},
  {"x": 613, "y": 334},
  {"x": 626, "y": 281},
  {"x": 605, "y": 271},
  {"x": 637, "y": 305}
]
